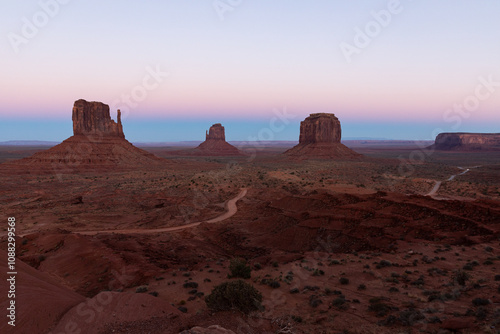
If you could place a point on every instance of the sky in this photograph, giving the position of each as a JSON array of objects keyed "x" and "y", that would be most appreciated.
[{"x": 387, "y": 69}]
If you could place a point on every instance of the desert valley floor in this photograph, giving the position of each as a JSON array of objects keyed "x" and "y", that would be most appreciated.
[{"x": 335, "y": 246}]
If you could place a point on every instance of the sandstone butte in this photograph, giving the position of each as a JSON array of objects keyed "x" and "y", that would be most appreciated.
[
  {"x": 467, "y": 142},
  {"x": 320, "y": 136},
  {"x": 98, "y": 142},
  {"x": 214, "y": 145}
]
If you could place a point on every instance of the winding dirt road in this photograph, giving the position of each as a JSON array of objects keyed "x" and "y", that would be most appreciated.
[
  {"x": 231, "y": 209},
  {"x": 438, "y": 184}
]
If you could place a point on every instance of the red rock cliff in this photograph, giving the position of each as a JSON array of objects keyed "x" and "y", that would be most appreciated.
[
  {"x": 467, "y": 141},
  {"x": 320, "y": 128},
  {"x": 216, "y": 132},
  {"x": 320, "y": 139},
  {"x": 92, "y": 118}
]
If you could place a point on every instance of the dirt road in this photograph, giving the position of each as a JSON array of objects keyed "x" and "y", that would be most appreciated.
[
  {"x": 231, "y": 209},
  {"x": 438, "y": 184}
]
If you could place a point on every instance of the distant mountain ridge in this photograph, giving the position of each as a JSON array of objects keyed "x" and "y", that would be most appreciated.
[{"x": 29, "y": 143}]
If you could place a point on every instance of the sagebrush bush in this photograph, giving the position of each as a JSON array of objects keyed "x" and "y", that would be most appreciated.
[
  {"x": 239, "y": 269},
  {"x": 234, "y": 295},
  {"x": 460, "y": 277}
]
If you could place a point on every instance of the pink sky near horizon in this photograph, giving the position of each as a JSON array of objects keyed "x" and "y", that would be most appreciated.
[{"x": 263, "y": 56}]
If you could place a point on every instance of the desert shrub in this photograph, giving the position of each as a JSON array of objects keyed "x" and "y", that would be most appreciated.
[
  {"x": 141, "y": 289},
  {"x": 418, "y": 281},
  {"x": 383, "y": 264},
  {"x": 344, "y": 280},
  {"x": 480, "y": 301},
  {"x": 274, "y": 284},
  {"x": 314, "y": 301},
  {"x": 468, "y": 266},
  {"x": 339, "y": 301},
  {"x": 376, "y": 305},
  {"x": 191, "y": 285},
  {"x": 361, "y": 287},
  {"x": 237, "y": 295},
  {"x": 239, "y": 268},
  {"x": 154, "y": 293},
  {"x": 460, "y": 277},
  {"x": 409, "y": 317},
  {"x": 434, "y": 320},
  {"x": 318, "y": 272},
  {"x": 405, "y": 318}
]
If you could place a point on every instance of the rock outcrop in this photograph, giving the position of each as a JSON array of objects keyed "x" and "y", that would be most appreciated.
[
  {"x": 98, "y": 143},
  {"x": 93, "y": 119},
  {"x": 214, "y": 145},
  {"x": 320, "y": 128},
  {"x": 214, "y": 329},
  {"x": 41, "y": 300},
  {"x": 216, "y": 132},
  {"x": 467, "y": 141},
  {"x": 320, "y": 136}
]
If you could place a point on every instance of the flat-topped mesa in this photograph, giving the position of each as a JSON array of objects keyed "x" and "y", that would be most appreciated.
[
  {"x": 320, "y": 128},
  {"x": 320, "y": 136},
  {"x": 216, "y": 132},
  {"x": 93, "y": 119},
  {"x": 467, "y": 141}
]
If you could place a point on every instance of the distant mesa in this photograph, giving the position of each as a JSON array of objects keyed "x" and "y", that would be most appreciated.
[
  {"x": 467, "y": 142},
  {"x": 97, "y": 142},
  {"x": 320, "y": 136},
  {"x": 216, "y": 132},
  {"x": 215, "y": 143}
]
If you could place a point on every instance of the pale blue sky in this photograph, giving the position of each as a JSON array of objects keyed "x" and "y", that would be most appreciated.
[{"x": 263, "y": 55}]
